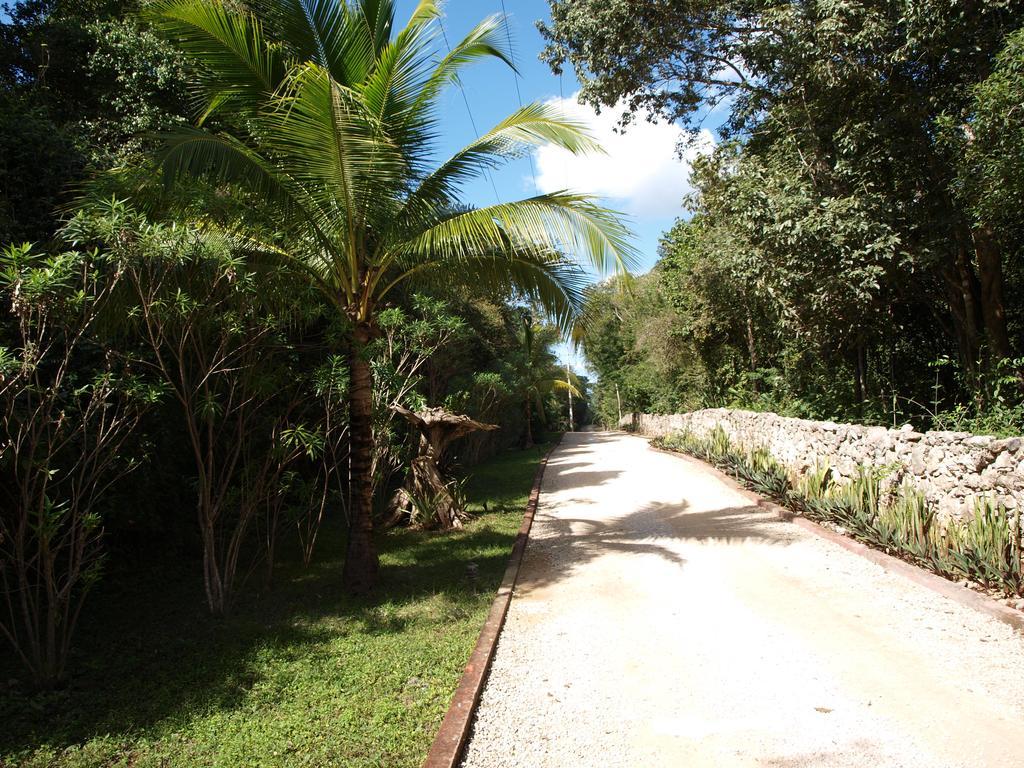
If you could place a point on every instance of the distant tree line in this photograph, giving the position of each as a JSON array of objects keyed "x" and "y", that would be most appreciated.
[{"x": 855, "y": 243}]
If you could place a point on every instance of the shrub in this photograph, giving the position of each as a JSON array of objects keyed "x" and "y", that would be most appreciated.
[
  {"x": 67, "y": 408},
  {"x": 907, "y": 524},
  {"x": 853, "y": 505},
  {"x": 812, "y": 484},
  {"x": 986, "y": 548}
]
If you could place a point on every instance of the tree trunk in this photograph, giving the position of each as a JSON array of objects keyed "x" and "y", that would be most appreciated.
[
  {"x": 215, "y": 597},
  {"x": 752, "y": 351},
  {"x": 962, "y": 292},
  {"x": 990, "y": 278},
  {"x": 529, "y": 426},
  {"x": 361, "y": 563},
  {"x": 426, "y": 483},
  {"x": 860, "y": 380}
]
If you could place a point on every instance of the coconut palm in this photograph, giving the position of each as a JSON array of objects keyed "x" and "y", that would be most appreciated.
[
  {"x": 327, "y": 115},
  {"x": 538, "y": 374}
]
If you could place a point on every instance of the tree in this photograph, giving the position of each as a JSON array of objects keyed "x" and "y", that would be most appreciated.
[
  {"x": 325, "y": 112},
  {"x": 247, "y": 401},
  {"x": 83, "y": 87},
  {"x": 989, "y": 144},
  {"x": 843, "y": 103},
  {"x": 398, "y": 357},
  {"x": 650, "y": 351},
  {"x": 992, "y": 143},
  {"x": 215, "y": 327},
  {"x": 536, "y": 372},
  {"x": 427, "y": 499},
  {"x": 67, "y": 406}
]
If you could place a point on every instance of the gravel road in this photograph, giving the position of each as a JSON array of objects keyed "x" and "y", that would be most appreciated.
[{"x": 661, "y": 620}]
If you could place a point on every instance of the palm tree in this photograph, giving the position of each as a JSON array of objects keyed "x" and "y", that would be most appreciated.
[
  {"x": 327, "y": 116},
  {"x": 538, "y": 373}
]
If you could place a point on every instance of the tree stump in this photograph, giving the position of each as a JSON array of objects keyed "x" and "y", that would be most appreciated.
[{"x": 426, "y": 498}]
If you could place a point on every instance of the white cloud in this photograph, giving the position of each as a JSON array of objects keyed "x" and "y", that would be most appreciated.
[{"x": 641, "y": 172}]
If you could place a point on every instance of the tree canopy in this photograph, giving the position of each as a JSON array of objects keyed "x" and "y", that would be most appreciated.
[{"x": 852, "y": 196}]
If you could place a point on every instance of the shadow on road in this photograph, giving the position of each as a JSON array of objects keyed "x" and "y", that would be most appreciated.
[{"x": 563, "y": 541}]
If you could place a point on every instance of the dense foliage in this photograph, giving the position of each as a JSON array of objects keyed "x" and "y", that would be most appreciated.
[
  {"x": 855, "y": 247},
  {"x": 208, "y": 317},
  {"x": 324, "y": 115}
]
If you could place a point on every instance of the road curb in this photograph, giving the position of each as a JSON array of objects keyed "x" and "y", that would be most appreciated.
[
  {"x": 949, "y": 589},
  {"x": 448, "y": 746}
]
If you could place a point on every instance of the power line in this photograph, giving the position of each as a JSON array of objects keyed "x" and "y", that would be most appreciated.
[
  {"x": 469, "y": 111},
  {"x": 561, "y": 104},
  {"x": 515, "y": 73}
]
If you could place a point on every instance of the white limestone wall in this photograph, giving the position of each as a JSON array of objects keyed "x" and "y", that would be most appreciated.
[{"x": 951, "y": 468}]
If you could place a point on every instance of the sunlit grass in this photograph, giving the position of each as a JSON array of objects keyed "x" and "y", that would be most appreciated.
[{"x": 301, "y": 675}]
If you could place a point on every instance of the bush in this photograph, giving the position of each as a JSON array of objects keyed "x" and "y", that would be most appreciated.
[{"x": 986, "y": 548}]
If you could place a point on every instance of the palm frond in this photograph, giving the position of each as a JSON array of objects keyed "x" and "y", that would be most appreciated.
[
  {"x": 332, "y": 147},
  {"x": 392, "y": 90},
  {"x": 559, "y": 222},
  {"x": 310, "y": 262},
  {"x": 316, "y": 31},
  {"x": 377, "y": 19},
  {"x": 199, "y": 153},
  {"x": 566, "y": 386},
  {"x": 550, "y": 280},
  {"x": 238, "y": 67},
  {"x": 425, "y": 12},
  {"x": 192, "y": 151},
  {"x": 488, "y": 39},
  {"x": 531, "y": 125}
]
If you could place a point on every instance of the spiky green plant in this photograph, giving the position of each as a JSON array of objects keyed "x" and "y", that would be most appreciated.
[
  {"x": 986, "y": 547},
  {"x": 719, "y": 446},
  {"x": 326, "y": 114},
  {"x": 906, "y": 523},
  {"x": 767, "y": 475},
  {"x": 811, "y": 485},
  {"x": 853, "y": 505}
]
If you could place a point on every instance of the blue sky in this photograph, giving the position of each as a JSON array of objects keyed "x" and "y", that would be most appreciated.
[{"x": 641, "y": 174}]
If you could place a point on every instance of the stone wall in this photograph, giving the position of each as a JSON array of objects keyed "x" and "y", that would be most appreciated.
[{"x": 951, "y": 468}]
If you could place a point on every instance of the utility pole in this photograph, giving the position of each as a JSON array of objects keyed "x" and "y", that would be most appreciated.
[{"x": 568, "y": 382}]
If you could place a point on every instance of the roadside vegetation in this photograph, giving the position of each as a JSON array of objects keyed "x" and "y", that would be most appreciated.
[
  {"x": 235, "y": 267},
  {"x": 983, "y": 547},
  {"x": 854, "y": 243},
  {"x": 299, "y": 674},
  {"x": 235, "y": 262}
]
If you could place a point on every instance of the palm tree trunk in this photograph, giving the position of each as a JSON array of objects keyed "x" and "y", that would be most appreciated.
[
  {"x": 529, "y": 424},
  {"x": 361, "y": 563}
]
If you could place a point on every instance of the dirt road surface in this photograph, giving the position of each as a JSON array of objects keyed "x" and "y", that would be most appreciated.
[{"x": 661, "y": 620}]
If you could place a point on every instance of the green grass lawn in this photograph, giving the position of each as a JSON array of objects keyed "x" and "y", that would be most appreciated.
[{"x": 299, "y": 676}]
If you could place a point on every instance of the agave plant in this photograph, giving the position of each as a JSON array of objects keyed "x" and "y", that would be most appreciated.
[
  {"x": 811, "y": 486},
  {"x": 767, "y": 475},
  {"x": 986, "y": 547},
  {"x": 906, "y": 524},
  {"x": 326, "y": 114}
]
